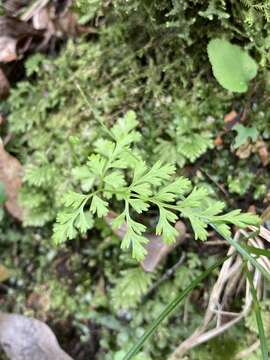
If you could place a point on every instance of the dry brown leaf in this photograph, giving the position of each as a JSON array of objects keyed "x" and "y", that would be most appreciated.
[
  {"x": 40, "y": 300},
  {"x": 26, "y": 338},
  {"x": 157, "y": 250},
  {"x": 230, "y": 116},
  {"x": 218, "y": 141},
  {"x": 244, "y": 151},
  {"x": 11, "y": 172},
  {"x": 262, "y": 150},
  {"x": 4, "y": 273}
]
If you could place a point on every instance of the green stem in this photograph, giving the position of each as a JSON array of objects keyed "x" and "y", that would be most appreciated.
[
  {"x": 257, "y": 309},
  {"x": 246, "y": 255}
]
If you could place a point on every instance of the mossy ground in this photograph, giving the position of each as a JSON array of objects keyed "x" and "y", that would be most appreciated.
[{"x": 149, "y": 56}]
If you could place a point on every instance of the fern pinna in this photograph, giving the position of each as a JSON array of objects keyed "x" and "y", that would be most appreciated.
[{"x": 115, "y": 170}]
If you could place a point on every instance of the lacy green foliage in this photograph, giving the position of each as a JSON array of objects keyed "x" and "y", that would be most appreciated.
[
  {"x": 87, "y": 9},
  {"x": 223, "y": 347},
  {"x": 189, "y": 135},
  {"x": 146, "y": 56},
  {"x": 148, "y": 71},
  {"x": 232, "y": 67},
  {"x": 240, "y": 184},
  {"x": 148, "y": 186},
  {"x": 257, "y": 7},
  {"x": 130, "y": 288}
]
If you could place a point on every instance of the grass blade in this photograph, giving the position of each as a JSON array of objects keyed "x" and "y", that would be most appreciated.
[
  {"x": 245, "y": 253},
  {"x": 170, "y": 308},
  {"x": 257, "y": 309},
  {"x": 258, "y": 251}
]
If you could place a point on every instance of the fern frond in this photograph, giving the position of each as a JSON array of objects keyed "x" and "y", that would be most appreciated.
[{"x": 130, "y": 288}]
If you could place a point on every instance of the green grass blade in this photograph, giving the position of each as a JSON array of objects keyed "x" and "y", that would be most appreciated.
[
  {"x": 257, "y": 309},
  {"x": 169, "y": 309},
  {"x": 258, "y": 251},
  {"x": 245, "y": 253}
]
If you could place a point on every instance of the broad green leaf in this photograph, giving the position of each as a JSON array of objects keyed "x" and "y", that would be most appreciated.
[
  {"x": 244, "y": 133},
  {"x": 232, "y": 67},
  {"x": 257, "y": 251}
]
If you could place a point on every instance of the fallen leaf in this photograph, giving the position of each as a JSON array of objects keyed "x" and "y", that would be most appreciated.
[
  {"x": 262, "y": 150},
  {"x": 40, "y": 299},
  {"x": 27, "y": 338},
  {"x": 244, "y": 151},
  {"x": 11, "y": 172},
  {"x": 230, "y": 116},
  {"x": 156, "y": 249},
  {"x": 218, "y": 140},
  {"x": 4, "y": 273}
]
